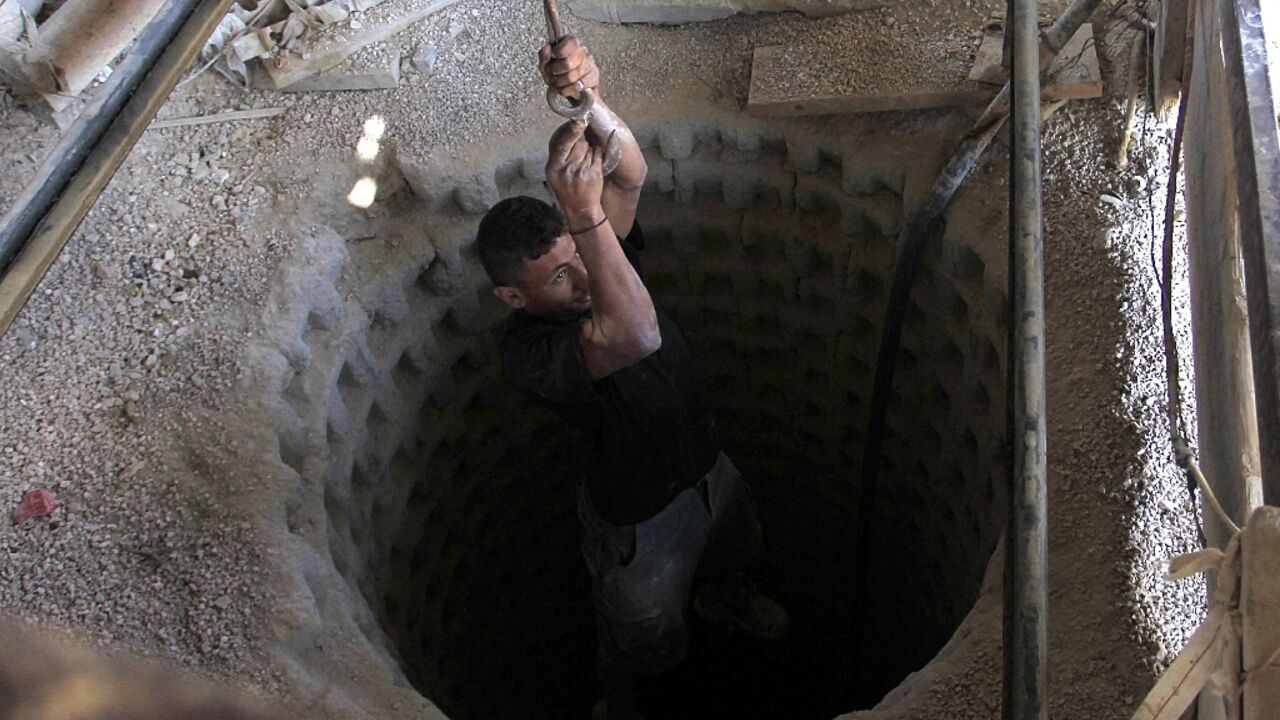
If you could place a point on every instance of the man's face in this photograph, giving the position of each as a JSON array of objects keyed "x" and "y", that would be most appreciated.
[{"x": 554, "y": 285}]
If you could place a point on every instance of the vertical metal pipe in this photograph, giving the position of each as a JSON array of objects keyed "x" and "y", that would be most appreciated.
[
  {"x": 1026, "y": 543},
  {"x": 554, "y": 26},
  {"x": 1006, "y": 49},
  {"x": 926, "y": 226}
]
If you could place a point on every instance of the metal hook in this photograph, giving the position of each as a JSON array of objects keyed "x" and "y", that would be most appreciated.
[{"x": 581, "y": 108}]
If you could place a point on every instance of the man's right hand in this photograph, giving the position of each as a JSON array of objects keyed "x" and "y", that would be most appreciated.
[
  {"x": 575, "y": 174},
  {"x": 567, "y": 64}
]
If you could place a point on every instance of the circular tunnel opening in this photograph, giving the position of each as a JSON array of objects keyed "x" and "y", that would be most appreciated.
[{"x": 468, "y": 553}]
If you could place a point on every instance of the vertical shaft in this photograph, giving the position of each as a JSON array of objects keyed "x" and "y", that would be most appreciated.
[{"x": 1026, "y": 565}]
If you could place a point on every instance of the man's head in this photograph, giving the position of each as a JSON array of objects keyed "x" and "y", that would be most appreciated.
[{"x": 532, "y": 260}]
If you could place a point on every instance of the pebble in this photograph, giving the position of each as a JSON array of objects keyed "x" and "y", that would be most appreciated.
[{"x": 424, "y": 60}]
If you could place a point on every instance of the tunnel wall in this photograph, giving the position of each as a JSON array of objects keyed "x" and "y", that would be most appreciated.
[{"x": 377, "y": 374}]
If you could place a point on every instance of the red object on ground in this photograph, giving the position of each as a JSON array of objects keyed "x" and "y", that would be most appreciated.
[{"x": 35, "y": 503}]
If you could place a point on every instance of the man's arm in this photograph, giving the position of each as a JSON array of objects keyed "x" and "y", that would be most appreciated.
[
  {"x": 623, "y": 327},
  {"x": 563, "y": 67}
]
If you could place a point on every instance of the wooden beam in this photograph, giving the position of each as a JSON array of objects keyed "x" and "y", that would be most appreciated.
[
  {"x": 331, "y": 81},
  {"x": 217, "y": 118},
  {"x": 294, "y": 69},
  {"x": 1257, "y": 179},
  {"x": 1228, "y": 427},
  {"x": 1260, "y": 613},
  {"x": 1170, "y": 47}
]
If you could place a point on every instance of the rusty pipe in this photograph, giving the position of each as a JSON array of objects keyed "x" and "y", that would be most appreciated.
[{"x": 1026, "y": 580}]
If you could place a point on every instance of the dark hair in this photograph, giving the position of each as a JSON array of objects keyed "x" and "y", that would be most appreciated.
[{"x": 514, "y": 230}]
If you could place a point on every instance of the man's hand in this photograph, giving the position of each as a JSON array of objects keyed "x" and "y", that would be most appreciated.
[
  {"x": 575, "y": 174},
  {"x": 566, "y": 64},
  {"x": 568, "y": 68},
  {"x": 623, "y": 326}
]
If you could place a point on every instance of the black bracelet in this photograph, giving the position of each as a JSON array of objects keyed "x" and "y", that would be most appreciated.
[{"x": 604, "y": 220}]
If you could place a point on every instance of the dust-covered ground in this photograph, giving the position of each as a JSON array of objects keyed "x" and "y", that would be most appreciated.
[{"x": 120, "y": 379}]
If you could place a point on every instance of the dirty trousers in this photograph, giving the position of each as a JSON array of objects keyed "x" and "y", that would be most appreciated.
[{"x": 642, "y": 575}]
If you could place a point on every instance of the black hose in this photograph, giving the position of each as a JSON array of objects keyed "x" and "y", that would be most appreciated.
[{"x": 926, "y": 225}]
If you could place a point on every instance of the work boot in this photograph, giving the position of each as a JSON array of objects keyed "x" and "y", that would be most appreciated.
[{"x": 733, "y": 604}]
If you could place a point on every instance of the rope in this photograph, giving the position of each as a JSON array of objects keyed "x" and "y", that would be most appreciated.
[
  {"x": 1246, "y": 677},
  {"x": 1194, "y": 471},
  {"x": 1268, "y": 664}
]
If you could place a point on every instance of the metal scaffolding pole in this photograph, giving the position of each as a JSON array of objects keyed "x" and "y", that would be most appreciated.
[{"x": 1026, "y": 543}]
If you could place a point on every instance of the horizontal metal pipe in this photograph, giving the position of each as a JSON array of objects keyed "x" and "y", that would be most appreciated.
[
  {"x": 87, "y": 131},
  {"x": 72, "y": 204}
]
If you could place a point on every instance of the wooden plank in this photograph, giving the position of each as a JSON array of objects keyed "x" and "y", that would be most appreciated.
[
  {"x": 1257, "y": 178},
  {"x": 1074, "y": 72},
  {"x": 1228, "y": 428},
  {"x": 217, "y": 118},
  {"x": 1077, "y": 77},
  {"x": 1170, "y": 48},
  {"x": 988, "y": 64},
  {"x": 295, "y": 69},
  {"x": 1260, "y": 612},
  {"x": 388, "y": 79},
  {"x": 338, "y": 82}
]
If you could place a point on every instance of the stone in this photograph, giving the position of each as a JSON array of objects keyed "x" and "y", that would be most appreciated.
[
  {"x": 36, "y": 503},
  {"x": 476, "y": 195},
  {"x": 424, "y": 61},
  {"x": 675, "y": 141}
]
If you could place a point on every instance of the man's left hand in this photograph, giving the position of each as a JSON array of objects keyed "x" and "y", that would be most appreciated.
[{"x": 566, "y": 64}]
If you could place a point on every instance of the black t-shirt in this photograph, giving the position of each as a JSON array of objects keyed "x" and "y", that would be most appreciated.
[{"x": 650, "y": 431}]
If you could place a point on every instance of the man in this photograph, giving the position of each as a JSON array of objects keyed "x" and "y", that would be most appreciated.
[{"x": 661, "y": 506}]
